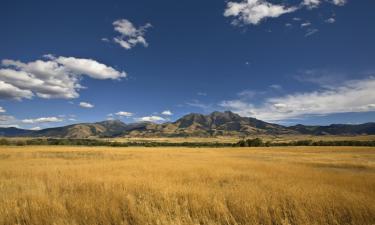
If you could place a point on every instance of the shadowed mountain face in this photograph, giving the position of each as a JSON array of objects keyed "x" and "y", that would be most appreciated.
[
  {"x": 336, "y": 129},
  {"x": 193, "y": 125},
  {"x": 13, "y": 132}
]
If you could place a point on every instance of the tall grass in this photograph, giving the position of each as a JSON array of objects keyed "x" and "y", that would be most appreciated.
[{"x": 101, "y": 185}]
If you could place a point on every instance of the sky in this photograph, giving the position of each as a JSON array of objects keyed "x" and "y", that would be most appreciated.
[{"x": 286, "y": 61}]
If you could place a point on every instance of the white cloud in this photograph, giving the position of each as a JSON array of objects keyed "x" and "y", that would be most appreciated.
[
  {"x": 6, "y": 119},
  {"x": 248, "y": 94},
  {"x": 306, "y": 24},
  {"x": 90, "y": 68},
  {"x": 339, "y": 2},
  {"x": 202, "y": 93},
  {"x": 152, "y": 119},
  {"x": 276, "y": 87},
  {"x": 8, "y": 91},
  {"x": 86, "y": 105},
  {"x": 167, "y": 113},
  {"x": 352, "y": 96},
  {"x": 55, "y": 78},
  {"x": 2, "y": 110},
  {"x": 130, "y": 35},
  {"x": 311, "y": 31},
  {"x": 36, "y": 128},
  {"x": 206, "y": 107},
  {"x": 122, "y": 113},
  {"x": 42, "y": 120},
  {"x": 330, "y": 20},
  {"x": 254, "y": 11},
  {"x": 311, "y": 3}
]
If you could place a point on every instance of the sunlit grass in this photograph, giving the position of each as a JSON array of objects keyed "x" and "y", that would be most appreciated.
[{"x": 101, "y": 185}]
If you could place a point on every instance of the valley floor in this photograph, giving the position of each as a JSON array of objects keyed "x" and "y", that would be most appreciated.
[{"x": 101, "y": 185}]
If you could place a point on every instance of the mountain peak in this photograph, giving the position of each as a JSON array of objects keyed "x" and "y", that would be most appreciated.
[{"x": 193, "y": 124}]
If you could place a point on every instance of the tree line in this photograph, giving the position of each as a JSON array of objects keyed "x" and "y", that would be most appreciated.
[{"x": 256, "y": 142}]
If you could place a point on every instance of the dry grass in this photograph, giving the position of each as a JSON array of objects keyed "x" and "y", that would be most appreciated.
[{"x": 83, "y": 185}]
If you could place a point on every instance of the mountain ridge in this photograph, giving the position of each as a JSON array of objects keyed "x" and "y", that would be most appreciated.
[{"x": 191, "y": 125}]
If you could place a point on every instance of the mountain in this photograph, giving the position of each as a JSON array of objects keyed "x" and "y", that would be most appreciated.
[
  {"x": 13, "y": 131},
  {"x": 191, "y": 125},
  {"x": 336, "y": 129},
  {"x": 84, "y": 130}
]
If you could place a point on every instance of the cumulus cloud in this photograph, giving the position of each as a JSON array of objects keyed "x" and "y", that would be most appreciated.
[
  {"x": 2, "y": 110},
  {"x": 86, "y": 105},
  {"x": 42, "y": 120},
  {"x": 254, "y": 11},
  {"x": 35, "y": 128},
  {"x": 152, "y": 119},
  {"x": 8, "y": 91},
  {"x": 351, "y": 96},
  {"x": 167, "y": 113},
  {"x": 57, "y": 77},
  {"x": 130, "y": 36},
  {"x": 124, "y": 114}
]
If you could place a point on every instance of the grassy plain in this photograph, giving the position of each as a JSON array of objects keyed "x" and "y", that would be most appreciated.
[{"x": 101, "y": 185}]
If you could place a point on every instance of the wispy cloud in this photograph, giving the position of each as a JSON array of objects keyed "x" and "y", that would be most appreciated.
[
  {"x": 321, "y": 77},
  {"x": 311, "y": 31},
  {"x": 351, "y": 96},
  {"x": 253, "y": 12},
  {"x": 206, "y": 107},
  {"x": 42, "y": 120}
]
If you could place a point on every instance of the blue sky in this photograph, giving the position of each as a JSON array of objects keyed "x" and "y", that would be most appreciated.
[{"x": 306, "y": 61}]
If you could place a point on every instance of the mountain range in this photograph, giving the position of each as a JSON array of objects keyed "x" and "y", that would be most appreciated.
[{"x": 192, "y": 125}]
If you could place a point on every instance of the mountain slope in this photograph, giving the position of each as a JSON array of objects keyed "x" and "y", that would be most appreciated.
[
  {"x": 84, "y": 130},
  {"x": 13, "y": 132},
  {"x": 191, "y": 125},
  {"x": 336, "y": 129}
]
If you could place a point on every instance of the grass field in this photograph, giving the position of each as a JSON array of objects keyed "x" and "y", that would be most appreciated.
[{"x": 101, "y": 185}]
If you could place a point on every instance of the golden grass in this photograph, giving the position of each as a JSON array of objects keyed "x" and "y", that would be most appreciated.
[{"x": 101, "y": 185}]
